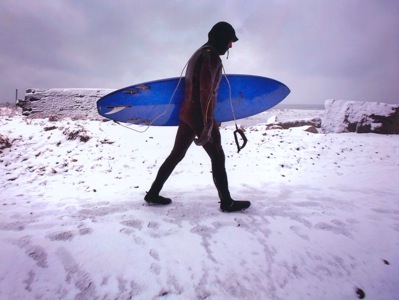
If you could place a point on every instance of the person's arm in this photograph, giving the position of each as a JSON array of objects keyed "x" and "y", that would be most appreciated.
[{"x": 209, "y": 81}]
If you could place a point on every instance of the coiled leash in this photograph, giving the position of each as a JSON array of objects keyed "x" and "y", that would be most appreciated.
[{"x": 238, "y": 132}]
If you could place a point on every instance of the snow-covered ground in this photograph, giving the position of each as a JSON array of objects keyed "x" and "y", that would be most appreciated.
[{"x": 324, "y": 220}]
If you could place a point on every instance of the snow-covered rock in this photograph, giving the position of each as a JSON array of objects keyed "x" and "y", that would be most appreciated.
[
  {"x": 74, "y": 103},
  {"x": 361, "y": 117},
  {"x": 313, "y": 122}
]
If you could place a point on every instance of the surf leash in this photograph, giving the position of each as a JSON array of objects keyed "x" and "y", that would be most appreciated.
[{"x": 238, "y": 132}]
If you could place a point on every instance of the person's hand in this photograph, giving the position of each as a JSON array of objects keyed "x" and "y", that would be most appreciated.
[{"x": 206, "y": 135}]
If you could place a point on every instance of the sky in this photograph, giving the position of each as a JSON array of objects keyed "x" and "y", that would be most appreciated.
[{"x": 330, "y": 49}]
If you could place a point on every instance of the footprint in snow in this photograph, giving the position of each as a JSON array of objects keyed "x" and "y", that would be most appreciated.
[
  {"x": 61, "y": 236},
  {"x": 153, "y": 225},
  {"x": 75, "y": 274},
  {"x": 154, "y": 254},
  {"x": 133, "y": 223},
  {"x": 29, "y": 280},
  {"x": 85, "y": 231},
  {"x": 335, "y": 229},
  {"x": 37, "y": 253},
  {"x": 155, "y": 268}
]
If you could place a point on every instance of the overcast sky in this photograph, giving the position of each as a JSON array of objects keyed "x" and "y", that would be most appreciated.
[{"x": 321, "y": 49}]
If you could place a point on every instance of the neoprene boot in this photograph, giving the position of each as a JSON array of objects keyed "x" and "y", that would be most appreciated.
[
  {"x": 227, "y": 204},
  {"x": 234, "y": 205},
  {"x": 151, "y": 198}
]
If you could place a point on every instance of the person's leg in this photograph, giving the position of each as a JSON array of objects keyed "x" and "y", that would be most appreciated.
[
  {"x": 216, "y": 153},
  {"x": 184, "y": 138}
]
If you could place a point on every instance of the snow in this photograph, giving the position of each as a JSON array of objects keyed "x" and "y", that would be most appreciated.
[{"x": 324, "y": 220}]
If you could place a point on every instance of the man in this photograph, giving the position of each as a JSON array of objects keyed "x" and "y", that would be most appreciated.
[{"x": 203, "y": 75}]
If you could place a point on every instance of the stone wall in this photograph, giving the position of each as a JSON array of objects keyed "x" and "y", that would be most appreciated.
[{"x": 73, "y": 103}]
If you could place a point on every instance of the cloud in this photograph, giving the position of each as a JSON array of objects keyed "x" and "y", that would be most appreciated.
[{"x": 320, "y": 49}]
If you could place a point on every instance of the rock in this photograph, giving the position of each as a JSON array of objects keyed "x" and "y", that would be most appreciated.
[
  {"x": 273, "y": 126},
  {"x": 361, "y": 117},
  {"x": 312, "y": 129},
  {"x": 59, "y": 103},
  {"x": 4, "y": 142},
  {"x": 315, "y": 122}
]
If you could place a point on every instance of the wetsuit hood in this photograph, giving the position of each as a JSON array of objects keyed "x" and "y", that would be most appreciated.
[{"x": 221, "y": 35}]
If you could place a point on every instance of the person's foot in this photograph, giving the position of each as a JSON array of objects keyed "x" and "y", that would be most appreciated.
[
  {"x": 157, "y": 199},
  {"x": 234, "y": 206}
]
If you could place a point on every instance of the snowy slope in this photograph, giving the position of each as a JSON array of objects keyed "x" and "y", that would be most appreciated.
[{"x": 324, "y": 221}]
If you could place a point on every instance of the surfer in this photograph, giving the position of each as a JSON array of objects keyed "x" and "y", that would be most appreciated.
[{"x": 203, "y": 75}]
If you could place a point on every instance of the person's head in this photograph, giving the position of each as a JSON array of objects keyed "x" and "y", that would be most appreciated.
[{"x": 221, "y": 36}]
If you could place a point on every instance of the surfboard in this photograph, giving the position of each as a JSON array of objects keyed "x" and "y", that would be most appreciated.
[{"x": 157, "y": 103}]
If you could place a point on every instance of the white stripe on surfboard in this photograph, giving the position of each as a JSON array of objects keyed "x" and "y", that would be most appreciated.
[{"x": 116, "y": 109}]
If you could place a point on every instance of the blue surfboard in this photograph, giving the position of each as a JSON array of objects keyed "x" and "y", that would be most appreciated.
[{"x": 158, "y": 102}]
